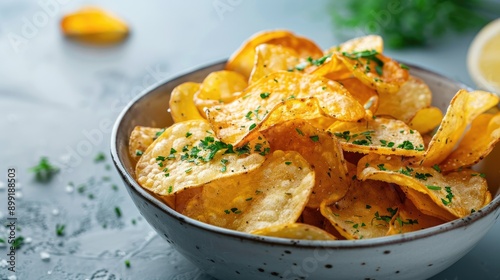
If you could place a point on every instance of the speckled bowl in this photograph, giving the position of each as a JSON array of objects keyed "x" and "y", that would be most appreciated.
[{"x": 228, "y": 254}]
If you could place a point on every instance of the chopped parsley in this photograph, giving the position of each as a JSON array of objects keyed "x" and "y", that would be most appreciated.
[
  {"x": 288, "y": 162},
  {"x": 127, "y": 263},
  {"x": 434, "y": 188},
  {"x": 265, "y": 95},
  {"x": 118, "y": 212},
  {"x": 99, "y": 157},
  {"x": 403, "y": 66},
  {"x": 138, "y": 153},
  {"x": 223, "y": 162},
  {"x": 299, "y": 131},
  {"x": 407, "y": 145},
  {"x": 44, "y": 170},
  {"x": 60, "y": 229},
  {"x": 18, "y": 242},
  {"x": 252, "y": 126},
  {"x": 386, "y": 218},
  {"x": 422, "y": 176},
  {"x": 159, "y": 133},
  {"x": 386, "y": 144},
  {"x": 170, "y": 189},
  {"x": 407, "y": 222},
  {"x": 248, "y": 198},
  {"x": 381, "y": 167},
  {"x": 437, "y": 168},
  {"x": 188, "y": 134},
  {"x": 449, "y": 196},
  {"x": 314, "y": 138}
]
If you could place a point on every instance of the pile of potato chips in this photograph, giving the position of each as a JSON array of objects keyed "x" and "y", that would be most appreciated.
[{"x": 295, "y": 142}]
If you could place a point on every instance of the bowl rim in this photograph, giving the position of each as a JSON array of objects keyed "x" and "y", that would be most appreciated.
[{"x": 133, "y": 186}]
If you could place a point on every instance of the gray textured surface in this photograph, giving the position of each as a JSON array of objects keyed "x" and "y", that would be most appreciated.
[{"x": 58, "y": 98}]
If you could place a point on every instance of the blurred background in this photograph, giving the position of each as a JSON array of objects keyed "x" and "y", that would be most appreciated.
[{"x": 61, "y": 93}]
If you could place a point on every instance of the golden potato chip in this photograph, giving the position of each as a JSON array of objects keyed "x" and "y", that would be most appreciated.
[
  {"x": 365, "y": 211},
  {"x": 296, "y": 231},
  {"x": 218, "y": 88},
  {"x": 187, "y": 154},
  {"x": 409, "y": 219},
  {"x": 375, "y": 70},
  {"x": 140, "y": 139},
  {"x": 272, "y": 58},
  {"x": 464, "y": 107},
  {"x": 426, "y": 205},
  {"x": 426, "y": 119},
  {"x": 459, "y": 193},
  {"x": 477, "y": 143},
  {"x": 321, "y": 150},
  {"x": 273, "y": 194},
  {"x": 232, "y": 122},
  {"x": 413, "y": 96},
  {"x": 181, "y": 104},
  {"x": 365, "y": 95},
  {"x": 370, "y": 42},
  {"x": 379, "y": 135},
  {"x": 242, "y": 60},
  {"x": 94, "y": 25}
]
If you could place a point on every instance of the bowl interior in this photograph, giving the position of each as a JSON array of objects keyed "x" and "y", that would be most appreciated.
[{"x": 151, "y": 109}]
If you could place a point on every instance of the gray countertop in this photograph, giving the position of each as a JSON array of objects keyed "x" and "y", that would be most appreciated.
[{"x": 59, "y": 99}]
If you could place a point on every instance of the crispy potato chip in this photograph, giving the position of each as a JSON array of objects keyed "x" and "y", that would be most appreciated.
[
  {"x": 140, "y": 139},
  {"x": 187, "y": 155},
  {"x": 321, "y": 150},
  {"x": 242, "y": 60},
  {"x": 426, "y": 205},
  {"x": 464, "y": 107},
  {"x": 232, "y": 122},
  {"x": 413, "y": 96},
  {"x": 272, "y": 58},
  {"x": 365, "y": 211},
  {"x": 94, "y": 25},
  {"x": 426, "y": 119},
  {"x": 459, "y": 193},
  {"x": 273, "y": 194},
  {"x": 409, "y": 219},
  {"x": 296, "y": 231},
  {"x": 365, "y": 95},
  {"x": 370, "y": 42},
  {"x": 218, "y": 88},
  {"x": 379, "y": 135},
  {"x": 477, "y": 143},
  {"x": 181, "y": 104},
  {"x": 375, "y": 70}
]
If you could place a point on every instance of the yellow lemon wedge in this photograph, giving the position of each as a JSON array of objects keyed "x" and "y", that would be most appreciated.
[{"x": 483, "y": 58}]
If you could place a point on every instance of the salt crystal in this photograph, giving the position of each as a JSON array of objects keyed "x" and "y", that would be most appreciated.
[
  {"x": 70, "y": 188},
  {"x": 55, "y": 212},
  {"x": 28, "y": 240},
  {"x": 45, "y": 256}
]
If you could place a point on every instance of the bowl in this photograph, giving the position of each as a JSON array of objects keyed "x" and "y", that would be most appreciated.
[{"x": 228, "y": 254}]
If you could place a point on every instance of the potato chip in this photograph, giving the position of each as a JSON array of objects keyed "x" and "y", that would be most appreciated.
[
  {"x": 296, "y": 231},
  {"x": 413, "y": 96},
  {"x": 321, "y": 150},
  {"x": 181, "y": 104},
  {"x": 426, "y": 205},
  {"x": 464, "y": 107},
  {"x": 365, "y": 95},
  {"x": 375, "y": 70},
  {"x": 459, "y": 193},
  {"x": 232, "y": 122},
  {"x": 370, "y": 42},
  {"x": 426, "y": 119},
  {"x": 187, "y": 154},
  {"x": 272, "y": 58},
  {"x": 94, "y": 25},
  {"x": 409, "y": 219},
  {"x": 477, "y": 143},
  {"x": 273, "y": 194},
  {"x": 365, "y": 211},
  {"x": 379, "y": 135},
  {"x": 218, "y": 88},
  {"x": 140, "y": 139},
  {"x": 242, "y": 60}
]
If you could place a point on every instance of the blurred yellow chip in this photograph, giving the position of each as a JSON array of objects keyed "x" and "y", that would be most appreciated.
[
  {"x": 181, "y": 104},
  {"x": 369, "y": 42},
  {"x": 409, "y": 219},
  {"x": 365, "y": 95},
  {"x": 413, "y": 96},
  {"x": 478, "y": 142},
  {"x": 242, "y": 60},
  {"x": 272, "y": 58},
  {"x": 273, "y": 194},
  {"x": 366, "y": 210},
  {"x": 94, "y": 25},
  {"x": 218, "y": 88},
  {"x": 379, "y": 135},
  {"x": 464, "y": 108},
  {"x": 140, "y": 139},
  {"x": 426, "y": 119},
  {"x": 186, "y": 155},
  {"x": 459, "y": 193},
  {"x": 232, "y": 122},
  {"x": 296, "y": 231},
  {"x": 322, "y": 151}
]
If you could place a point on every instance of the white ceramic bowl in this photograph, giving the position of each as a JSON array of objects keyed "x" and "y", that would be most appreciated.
[{"x": 228, "y": 254}]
